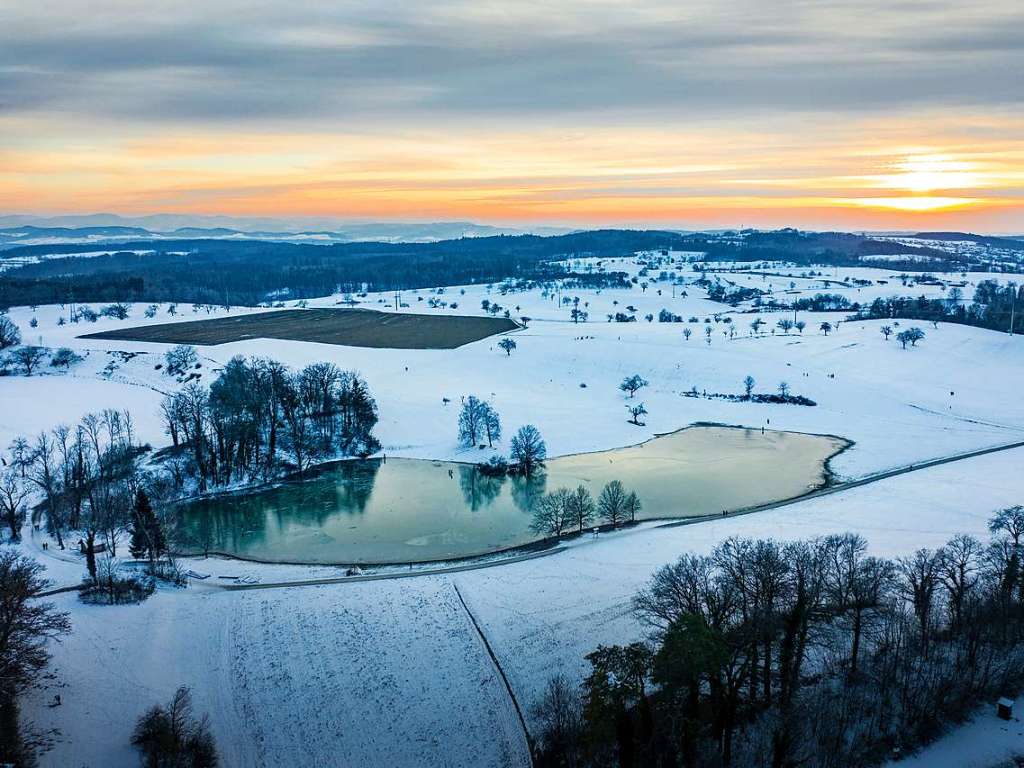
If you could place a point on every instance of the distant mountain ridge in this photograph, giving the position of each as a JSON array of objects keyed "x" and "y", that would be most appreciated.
[{"x": 30, "y": 230}]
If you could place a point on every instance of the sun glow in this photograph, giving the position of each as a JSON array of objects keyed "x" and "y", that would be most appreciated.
[
  {"x": 927, "y": 173},
  {"x": 705, "y": 176},
  {"x": 915, "y": 204}
]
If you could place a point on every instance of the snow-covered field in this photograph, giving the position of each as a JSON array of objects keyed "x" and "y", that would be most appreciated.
[
  {"x": 392, "y": 673},
  {"x": 899, "y": 406},
  {"x": 389, "y": 673}
]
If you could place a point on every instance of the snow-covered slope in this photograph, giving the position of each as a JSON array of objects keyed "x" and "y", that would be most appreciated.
[{"x": 390, "y": 673}]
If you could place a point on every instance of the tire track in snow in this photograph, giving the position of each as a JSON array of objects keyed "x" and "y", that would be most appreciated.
[{"x": 501, "y": 673}]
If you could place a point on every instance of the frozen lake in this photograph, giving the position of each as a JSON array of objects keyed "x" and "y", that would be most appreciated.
[{"x": 411, "y": 510}]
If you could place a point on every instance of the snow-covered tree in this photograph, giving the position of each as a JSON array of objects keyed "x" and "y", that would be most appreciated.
[
  {"x": 64, "y": 358},
  {"x": 180, "y": 359},
  {"x": 10, "y": 336}
]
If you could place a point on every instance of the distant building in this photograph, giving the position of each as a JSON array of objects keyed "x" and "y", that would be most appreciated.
[{"x": 1004, "y": 708}]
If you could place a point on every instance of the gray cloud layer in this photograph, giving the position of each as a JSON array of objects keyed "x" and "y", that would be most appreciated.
[{"x": 356, "y": 62}]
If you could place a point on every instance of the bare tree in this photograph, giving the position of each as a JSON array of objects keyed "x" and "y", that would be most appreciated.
[
  {"x": 910, "y": 336},
  {"x": 559, "y": 715},
  {"x": 508, "y": 345},
  {"x": 29, "y": 358},
  {"x": 528, "y": 449},
  {"x": 611, "y": 504},
  {"x": 64, "y": 358},
  {"x": 492, "y": 424},
  {"x": 27, "y": 625},
  {"x": 172, "y": 736},
  {"x": 180, "y": 359},
  {"x": 919, "y": 579},
  {"x": 632, "y": 384},
  {"x": 553, "y": 514},
  {"x": 44, "y": 475},
  {"x": 10, "y": 336},
  {"x": 581, "y": 505},
  {"x": 14, "y": 491},
  {"x": 632, "y": 506},
  {"x": 472, "y": 420},
  {"x": 1009, "y": 521},
  {"x": 748, "y": 386},
  {"x": 960, "y": 568},
  {"x": 636, "y": 411}
]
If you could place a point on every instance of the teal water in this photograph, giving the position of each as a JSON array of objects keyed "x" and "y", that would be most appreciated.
[{"x": 411, "y": 510}]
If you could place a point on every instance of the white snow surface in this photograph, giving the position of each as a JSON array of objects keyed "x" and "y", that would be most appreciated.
[
  {"x": 898, "y": 406},
  {"x": 392, "y": 673},
  {"x": 983, "y": 742}
]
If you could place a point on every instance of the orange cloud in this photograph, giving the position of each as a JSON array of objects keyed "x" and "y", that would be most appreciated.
[{"x": 928, "y": 171}]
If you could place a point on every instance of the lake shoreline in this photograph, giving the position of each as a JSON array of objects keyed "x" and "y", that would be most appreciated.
[{"x": 313, "y": 513}]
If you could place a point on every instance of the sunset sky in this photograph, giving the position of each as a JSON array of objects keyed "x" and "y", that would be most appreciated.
[{"x": 892, "y": 114}]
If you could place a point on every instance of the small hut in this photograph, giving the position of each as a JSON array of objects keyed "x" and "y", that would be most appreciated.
[{"x": 1004, "y": 708}]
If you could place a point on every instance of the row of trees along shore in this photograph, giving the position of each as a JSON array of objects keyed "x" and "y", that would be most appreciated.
[
  {"x": 259, "y": 417},
  {"x": 96, "y": 481},
  {"x": 257, "y": 420},
  {"x": 810, "y": 653}
]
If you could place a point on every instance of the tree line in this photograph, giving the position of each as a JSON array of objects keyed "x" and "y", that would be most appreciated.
[
  {"x": 810, "y": 653},
  {"x": 998, "y": 307},
  {"x": 248, "y": 272},
  {"x": 564, "y": 510},
  {"x": 260, "y": 418}
]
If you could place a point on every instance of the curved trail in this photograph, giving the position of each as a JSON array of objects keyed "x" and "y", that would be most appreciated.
[
  {"x": 501, "y": 672},
  {"x": 837, "y": 488}
]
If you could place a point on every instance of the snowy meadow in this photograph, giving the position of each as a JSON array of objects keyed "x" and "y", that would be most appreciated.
[{"x": 441, "y": 666}]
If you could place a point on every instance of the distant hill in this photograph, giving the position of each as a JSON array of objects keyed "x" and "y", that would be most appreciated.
[
  {"x": 68, "y": 229},
  {"x": 246, "y": 269},
  {"x": 1013, "y": 243}
]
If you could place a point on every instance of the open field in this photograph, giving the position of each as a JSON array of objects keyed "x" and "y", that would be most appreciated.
[
  {"x": 396, "y": 693},
  {"x": 377, "y": 673},
  {"x": 345, "y": 327}
]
